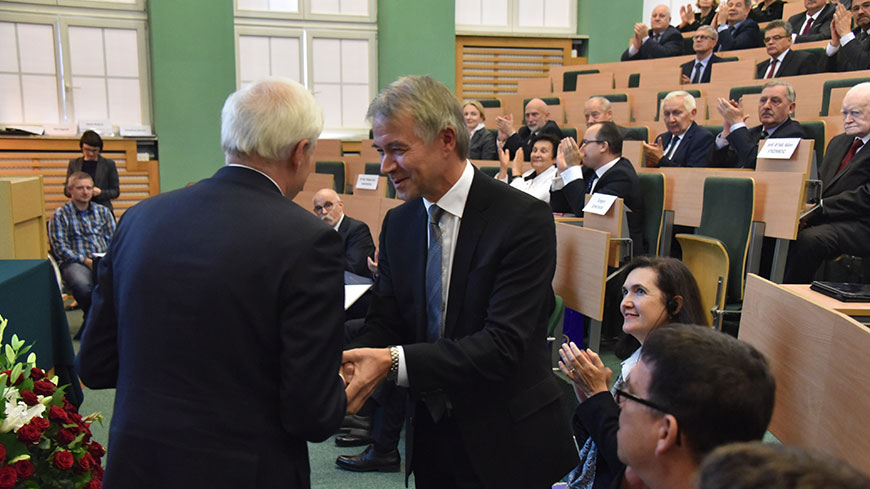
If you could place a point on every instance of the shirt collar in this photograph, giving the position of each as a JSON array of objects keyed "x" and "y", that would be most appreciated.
[
  {"x": 480, "y": 125},
  {"x": 773, "y": 129},
  {"x": 453, "y": 201},
  {"x": 705, "y": 60},
  {"x": 258, "y": 171},
  {"x": 603, "y": 168},
  {"x": 339, "y": 222},
  {"x": 782, "y": 56}
]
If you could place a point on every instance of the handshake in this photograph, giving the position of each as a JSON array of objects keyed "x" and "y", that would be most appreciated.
[{"x": 363, "y": 369}]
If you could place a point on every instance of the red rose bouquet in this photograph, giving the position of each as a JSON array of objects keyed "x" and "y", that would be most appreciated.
[{"x": 44, "y": 441}]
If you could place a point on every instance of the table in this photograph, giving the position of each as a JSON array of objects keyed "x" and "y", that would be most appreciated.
[{"x": 31, "y": 302}]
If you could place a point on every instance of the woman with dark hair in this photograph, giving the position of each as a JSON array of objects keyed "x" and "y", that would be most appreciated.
[
  {"x": 767, "y": 10},
  {"x": 691, "y": 20},
  {"x": 536, "y": 181},
  {"x": 103, "y": 171},
  {"x": 656, "y": 291}
]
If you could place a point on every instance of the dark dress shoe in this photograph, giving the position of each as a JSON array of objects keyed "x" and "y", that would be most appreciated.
[
  {"x": 355, "y": 422},
  {"x": 354, "y": 438},
  {"x": 371, "y": 460}
]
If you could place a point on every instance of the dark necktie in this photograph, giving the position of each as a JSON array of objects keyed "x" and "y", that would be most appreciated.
[
  {"x": 772, "y": 68},
  {"x": 433, "y": 276},
  {"x": 856, "y": 145},
  {"x": 656, "y": 37},
  {"x": 672, "y": 147},
  {"x": 591, "y": 182},
  {"x": 764, "y": 135},
  {"x": 862, "y": 35},
  {"x": 699, "y": 67},
  {"x": 807, "y": 26}
]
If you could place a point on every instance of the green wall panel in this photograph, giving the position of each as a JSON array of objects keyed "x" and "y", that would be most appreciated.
[{"x": 609, "y": 25}]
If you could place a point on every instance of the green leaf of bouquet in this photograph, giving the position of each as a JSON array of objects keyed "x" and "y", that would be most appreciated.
[
  {"x": 26, "y": 384},
  {"x": 23, "y": 351},
  {"x": 3, "y": 378},
  {"x": 3, "y": 322},
  {"x": 30, "y": 484},
  {"x": 16, "y": 372},
  {"x": 17, "y": 342},
  {"x": 10, "y": 354},
  {"x": 31, "y": 359},
  {"x": 14, "y": 448}
]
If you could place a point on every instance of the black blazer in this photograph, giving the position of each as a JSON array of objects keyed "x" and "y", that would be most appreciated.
[
  {"x": 219, "y": 318},
  {"x": 852, "y": 56},
  {"x": 520, "y": 139},
  {"x": 694, "y": 149},
  {"x": 492, "y": 362},
  {"x": 772, "y": 12},
  {"x": 705, "y": 76},
  {"x": 598, "y": 418},
  {"x": 746, "y": 36},
  {"x": 670, "y": 44},
  {"x": 482, "y": 146},
  {"x": 742, "y": 149},
  {"x": 699, "y": 21},
  {"x": 821, "y": 28},
  {"x": 358, "y": 245},
  {"x": 620, "y": 180},
  {"x": 105, "y": 177},
  {"x": 796, "y": 62}
]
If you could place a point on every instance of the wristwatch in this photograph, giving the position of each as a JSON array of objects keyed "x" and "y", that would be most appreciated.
[{"x": 394, "y": 364}]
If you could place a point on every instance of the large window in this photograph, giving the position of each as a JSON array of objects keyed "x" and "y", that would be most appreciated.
[
  {"x": 516, "y": 16},
  {"x": 329, "y": 46},
  {"x": 71, "y": 64}
]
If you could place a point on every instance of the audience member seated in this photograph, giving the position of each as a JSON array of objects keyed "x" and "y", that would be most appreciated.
[
  {"x": 694, "y": 389},
  {"x": 849, "y": 50},
  {"x": 538, "y": 121},
  {"x": 656, "y": 291},
  {"x": 767, "y": 10},
  {"x": 736, "y": 30},
  {"x": 737, "y": 145},
  {"x": 80, "y": 232},
  {"x": 599, "y": 109},
  {"x": 597, "y": 166},
  {"x": 536, "y": 181},
  {"x": 355, "y": 235},
  {"x": 686, "y": 143},
  {"x": 691, "y": 20},
  {"x": 813, "y": 24},
  {"x": 784, "y": 61},
  {"x": 841, "y": 223},
  {"x": 103, "y": 171},
  {"x": 660, "y": 40},
  {"x": 482, "y": 145},
  {"x": 754, "y": 465},
  {"x": 698, "y": 70}
]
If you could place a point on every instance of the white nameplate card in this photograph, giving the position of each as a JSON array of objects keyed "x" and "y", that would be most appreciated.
[
  {"x": 102, "y": 127},
  {"x": 68, "y": 130},
  {"x": 135, "y": 131},
  {"x": 367, "y": 182},
  {"x": 599, "y": 204},
  {"x": 779, "y": 148}
]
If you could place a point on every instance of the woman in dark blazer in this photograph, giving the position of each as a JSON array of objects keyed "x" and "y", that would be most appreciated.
[
  {"x": 690, "y": 21},
  {"x": 103, "y": 171},
  {"x": 767, "y": 10},
  {"x": 482, "y": 145}
]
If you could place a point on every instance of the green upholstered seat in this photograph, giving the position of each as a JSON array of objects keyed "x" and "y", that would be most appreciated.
[
  {"x": 334, "y": 168},
  {"x": 816, "y": 131},
  {"x": 490, "y": 102},
  {"x": 614, "y": 97},
  {"x": 738, "y": 92},
  {"x": 832, "y": 84},
  {"x": 547, "y": 100},
  {"x": 569, "y": 79},
  {"x": 569, "y": 132},
  {"x": 652, "y": 188}
]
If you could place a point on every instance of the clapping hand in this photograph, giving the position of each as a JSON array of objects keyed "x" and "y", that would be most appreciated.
[
  {"x": 585, "y": 369},
  {"x": 568, "y": 155},
  {"x": 653, "y": 153},
  {"x": 731, "y": 113}
]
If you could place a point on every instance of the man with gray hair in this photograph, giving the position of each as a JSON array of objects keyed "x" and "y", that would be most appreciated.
[
  {"x": 599, "y": 109},
  {"x": 783, "y": 61},
  {"x": 218, "y": 314},
  {"x": 698, "y": 70},
  {"x": 659, "y": 40},
  {"x": 685, "y": 143},
  {"x": 459, "y": 312}
]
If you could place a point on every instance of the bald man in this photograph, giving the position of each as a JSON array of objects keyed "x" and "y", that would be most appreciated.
[
  {"x": 537, "y": 117},
  {"x": 355, "y": 235},
  {"x": 659, "y": 40}
]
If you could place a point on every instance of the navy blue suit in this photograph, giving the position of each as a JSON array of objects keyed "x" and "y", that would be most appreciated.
[
  {"x": 694, "y": 149},
  {"x": 742, "y": 149},
  {"x": 795, "y": 63},
  {"x": 670, "y": 44},
  {"x": 745, "y": 36},
  {"x": 708, "y": 69}
]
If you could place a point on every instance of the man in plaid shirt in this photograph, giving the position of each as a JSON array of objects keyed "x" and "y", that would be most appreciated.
[{"x": 80, "y": 231}]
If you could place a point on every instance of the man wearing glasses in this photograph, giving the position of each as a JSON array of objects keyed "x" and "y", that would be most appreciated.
[
  {"x": 698, "y": 70},
  {"x": 355, "y": 235},
  {"x": 783, "y": 60},
  {"x": 694, "y": 389}
]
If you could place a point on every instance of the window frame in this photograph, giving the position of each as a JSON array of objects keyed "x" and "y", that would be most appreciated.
[{"x": 513, "y": 28}]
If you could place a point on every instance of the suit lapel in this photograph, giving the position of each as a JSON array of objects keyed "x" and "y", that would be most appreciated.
[
  {"x": 681, "y": 153},
  {"x": 418, "y": 247},
  {"x": 857, "y": 161}
]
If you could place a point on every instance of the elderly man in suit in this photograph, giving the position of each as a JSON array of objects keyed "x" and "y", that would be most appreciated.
[
  {"x": 783, "y": 60},
  {"x": 849, "y": 50},
  {"x": 841, "y": 223},
  {"x": 599, "y": 109},
  {"x": 459, "y": 313},
  {"x": 659, "y": 40},
  {"x": 813, "y": 24},
  {"x": 685, "y": 143},
  {"x": 356, "y": 236},
  {"x": 737, "y": 145},
  {"x": 698, "y": 70},
  {"x": 218, "y": 314},
  {"x": 736, "y": 30},
  {"x": 537, "y": 118}
]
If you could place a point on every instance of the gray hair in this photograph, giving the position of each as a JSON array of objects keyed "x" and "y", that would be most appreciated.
[
  {"x": 602, "y": 102},
  {"x": 429, "y": 102},
  {"x": 789, "y": 90},
  {"x": 779, "y": 23},
  {"x": 714, "y": 35},
  {"x": 269, "y": 118},
  {"x": 688, "y": 99}
]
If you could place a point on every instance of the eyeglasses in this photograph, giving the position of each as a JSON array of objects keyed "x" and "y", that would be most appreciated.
[
  {"x": 587, "y": 141},
  {"x": 773, "y": 38},
  {"x": 326, "y": 206},
  {"x": 701, "y": 37},
  {"x": 621, "y": 393}
]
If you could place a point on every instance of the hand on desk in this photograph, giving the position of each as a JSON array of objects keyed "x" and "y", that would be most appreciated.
[{"x": 370, "y": 367}]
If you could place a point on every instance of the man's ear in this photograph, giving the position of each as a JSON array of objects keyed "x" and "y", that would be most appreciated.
[
  {"x": 447, "y": 137},
  {"x": 668, "y": 434},
  {"x": 297, "y": 156}
]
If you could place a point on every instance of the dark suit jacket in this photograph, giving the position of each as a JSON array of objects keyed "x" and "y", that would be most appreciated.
[
  {"x": 218, "y": 317},
  {"x": 620, "y": 180},
  {"x": 699, "y": 21},
  {"x": 105, "y": 177},
  {"x": 521, "y": 138},
  {"x": 773, "y": 12},
  {"x": 852, "y": 56},
  {"x": 492, "y": 362},
  {"x": 670, "y": 44},
  {"x": 629, "y": 133},
  {"x": 694, "y": 149},
  {"x": 705, "y": 76},
  {"x": 846, "y": 195},
  {"x": 483, "y": 146},
  {"x": 796, "y": 62},
  {"x": 746, "y": 36},
  {"x": 598, "y": 418},
  {"x": 821, "y": 28},
  {"x": 742, "y": 149},
  {"x": 358, "y": 245}
]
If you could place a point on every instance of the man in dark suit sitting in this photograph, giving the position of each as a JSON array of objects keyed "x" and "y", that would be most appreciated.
[
  {"x": 737, "y": 145},
  {"x": 698, "y": 70},
  {"x": 813, "y": 24},
  {"x": 736, "y": 31},
  {"x": 599, "y": 109},
  {"x": 849, "y": 50},
  {"x": 783, "y": 61},
  {"x": 358, "y": 243},
  {"x": 686, "y": 143},
  {"x": 537, "y": 118},
  {"x": 597, "y": 166},
  {"x": 218, "y": 314},
  {"x": 841, "y": 223},
  {"x": 659, "y": 40}
]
